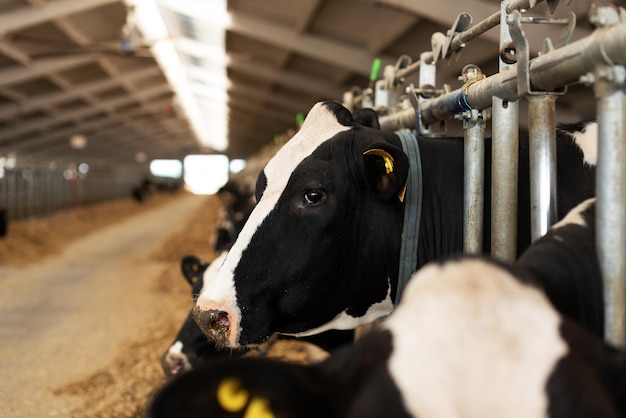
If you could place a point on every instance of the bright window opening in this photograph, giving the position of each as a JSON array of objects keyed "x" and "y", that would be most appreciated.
[
  {"x": 237, "y": 165},
  {"x": 205, "y": 174},
  {"x": 166, "y": 168}
]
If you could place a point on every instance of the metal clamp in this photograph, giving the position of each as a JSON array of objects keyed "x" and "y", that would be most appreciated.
[
  {"x": 441, "y": 43},
  {"x": 469, "y": 75},
  {"x": 609, "y": 75},
  {"x": 522, "y": 51}
]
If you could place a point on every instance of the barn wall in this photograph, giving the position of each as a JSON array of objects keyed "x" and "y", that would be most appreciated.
[{"x": 35, "y": 189}]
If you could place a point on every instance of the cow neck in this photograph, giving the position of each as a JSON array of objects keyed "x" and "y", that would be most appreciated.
[{"x": 412, "y": 211}]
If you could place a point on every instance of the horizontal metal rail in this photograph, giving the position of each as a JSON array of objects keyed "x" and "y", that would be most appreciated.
[
  {"x": 598, "y": 59},
  {"x": 462, "y": 38},
  {"x": 548, "y": 72}
]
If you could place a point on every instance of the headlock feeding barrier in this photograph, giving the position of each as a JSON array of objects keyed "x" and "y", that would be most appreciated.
[{"x": 597, "y": 60}]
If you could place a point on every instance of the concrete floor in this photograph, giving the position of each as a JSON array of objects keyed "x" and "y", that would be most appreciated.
[{"x": 64, "y": 317}]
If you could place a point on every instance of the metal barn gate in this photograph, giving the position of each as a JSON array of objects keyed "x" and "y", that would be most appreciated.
[{"x": 597, "y": 61}]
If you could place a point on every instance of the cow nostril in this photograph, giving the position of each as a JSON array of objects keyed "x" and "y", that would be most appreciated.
[
  {"x": 222, "y": 318},
  {"x": 215, "y": 318},
  {"x": 214, "y": 323}
]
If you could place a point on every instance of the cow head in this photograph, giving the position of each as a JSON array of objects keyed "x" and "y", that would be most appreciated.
[
  {"x": 320, "y": 249},
  {"x": 191, "y": 347}
]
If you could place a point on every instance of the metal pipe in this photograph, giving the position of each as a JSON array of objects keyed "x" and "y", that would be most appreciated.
[
  {"x": 462, "y": 38},
  {"x": 542, "y": 162},
  {"x": 548, "y": 72},
  {"x": 611, "y": 195},
  {"x": 504, "y": 164},
  {"x": 474, "y": 182}
]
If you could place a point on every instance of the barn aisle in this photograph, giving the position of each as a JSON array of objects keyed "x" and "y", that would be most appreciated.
[{"x": 64, "y": 317}]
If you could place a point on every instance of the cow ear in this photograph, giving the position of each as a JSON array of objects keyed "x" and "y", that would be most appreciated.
[
  {"x": 386, "y": 170},
  {"x": 366, "y": 117},
  {"x": 190, "y": 267}
]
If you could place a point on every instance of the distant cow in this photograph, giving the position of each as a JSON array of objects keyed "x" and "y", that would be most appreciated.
[
  {"x": 143, "y": 191},
  {"x": 469, "y": 339},
  {"x": 237, "y": 205},
  {"x": 4, "y": 222},
  {"x": 321, "y": 248}
]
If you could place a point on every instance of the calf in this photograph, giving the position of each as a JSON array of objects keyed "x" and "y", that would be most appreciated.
[
  {"x": 321, "y": 249},
  {"x": 469, "y": 339}
]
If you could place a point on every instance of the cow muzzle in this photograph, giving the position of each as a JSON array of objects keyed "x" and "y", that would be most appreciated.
[
  {"x": 175, "y": 363},
  {"x": 214, "y": 323}
]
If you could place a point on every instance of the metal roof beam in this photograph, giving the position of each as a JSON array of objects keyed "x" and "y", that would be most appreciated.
[
  {"x": 306, "y": 13},
  {"x": 335, "y": 53},
  {"x": 283, "y": 101},
  {"x": 43, "y": 67},
  {"x": 79, "y": 114},
  {"x": 446, "y": 12},
  {"x": 29, "y": 16},
  {"x": 291, "y": 79},
  {"x": 238, "y": 104},
  {"x": 65, "y": 133},
  {"x": 37, "y": 102}
]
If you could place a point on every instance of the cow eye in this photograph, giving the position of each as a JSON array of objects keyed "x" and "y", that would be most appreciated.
[{"x": 314, "y": 197}]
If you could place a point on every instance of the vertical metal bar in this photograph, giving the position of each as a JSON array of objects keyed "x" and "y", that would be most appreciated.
[
  {"x": 427, "y": 77},
  {"x": 542, "y": 154},
  {"x": 611, "y": 195},
  {"x": 474, "y": 184},
  {"x": 504, "y": 164}
]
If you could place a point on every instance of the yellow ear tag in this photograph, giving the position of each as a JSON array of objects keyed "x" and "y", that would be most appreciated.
[
  {"x": 388, "y": 166},
  {"x": 231, "y": 395},
  {"x": 385, "y": 155},
  {"x": 259, "y": 408}
]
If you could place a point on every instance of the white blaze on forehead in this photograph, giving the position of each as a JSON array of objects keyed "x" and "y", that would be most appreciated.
[
  {"x": 471, "y": 341},
  {"x": 209, "y": 284},
  {"x": 219, "y": 295},
  {"x": 211, "y": 287}
]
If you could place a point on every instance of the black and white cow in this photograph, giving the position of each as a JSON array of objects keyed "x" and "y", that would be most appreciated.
[
  {"x": 4, "y": 222},
  {"x": 191, "y": 347},
  {"x": 321, "y": 248},
  {"x": 564, "y": 264},
  {"x": 237, "y": 203},
  {"x": 469, "y": 339}
]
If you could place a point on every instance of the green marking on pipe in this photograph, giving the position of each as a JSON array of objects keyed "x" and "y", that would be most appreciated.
[{"x": 375, "y": 69}]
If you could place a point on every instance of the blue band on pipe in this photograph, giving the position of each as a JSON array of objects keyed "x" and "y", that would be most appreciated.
[{"x": 462, "y": 102}]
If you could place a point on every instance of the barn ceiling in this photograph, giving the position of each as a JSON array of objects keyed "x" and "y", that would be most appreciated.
[{"x": 65, "y": 71}]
